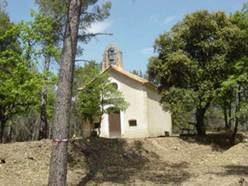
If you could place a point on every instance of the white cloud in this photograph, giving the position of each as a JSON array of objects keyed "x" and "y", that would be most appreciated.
[
  {"x": 99, "y": 27},
  {"x": 162, "y": 21},
  {"x": 147, "y": 51},
  {"x": 153, "y": 19},
  {"x": 169, "y": 19}
]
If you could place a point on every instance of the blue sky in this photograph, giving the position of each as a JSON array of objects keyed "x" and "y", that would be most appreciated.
[{"x": 134, "y": 23}]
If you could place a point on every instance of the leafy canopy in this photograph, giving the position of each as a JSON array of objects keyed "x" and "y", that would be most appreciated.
[
  {"x": 193, "y": 60},
  {"x": 19, "y": 84},
  {"x": 98, "y": 95}
]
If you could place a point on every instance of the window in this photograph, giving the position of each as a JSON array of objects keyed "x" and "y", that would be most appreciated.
[
  {"x": 115, "y": 85},
  {"x": 96, "y": 125},
  {"x": 132, "y": 123},
  {"x": 111, "y": 55}
]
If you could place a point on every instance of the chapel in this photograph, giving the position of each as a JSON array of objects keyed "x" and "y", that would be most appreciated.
[{"x": 144, "y": 117}]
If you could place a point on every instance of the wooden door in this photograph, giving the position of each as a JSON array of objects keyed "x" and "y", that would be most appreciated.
[{"x": 114, "y": 125}]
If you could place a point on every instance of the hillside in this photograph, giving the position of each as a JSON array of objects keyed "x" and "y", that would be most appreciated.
[{"x": 152, "y": 161}]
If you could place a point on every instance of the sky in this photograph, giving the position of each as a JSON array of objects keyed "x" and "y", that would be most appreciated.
[{"x": 135, "y": 24}]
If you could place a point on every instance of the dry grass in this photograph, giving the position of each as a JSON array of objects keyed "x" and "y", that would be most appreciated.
[{"x": 153, "y": 161}]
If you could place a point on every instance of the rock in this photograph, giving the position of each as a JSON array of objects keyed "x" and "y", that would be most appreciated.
[
  {"x": 242, "y": 182},
  {"x": 176, "y": 148},
  {"x": 30, "y": 158}
]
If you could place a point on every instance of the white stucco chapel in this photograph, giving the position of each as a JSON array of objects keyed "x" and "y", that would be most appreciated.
[{"x": 144, "y": 116}]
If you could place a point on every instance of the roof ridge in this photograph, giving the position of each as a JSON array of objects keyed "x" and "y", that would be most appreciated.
[{"x": 130, "y": 75}]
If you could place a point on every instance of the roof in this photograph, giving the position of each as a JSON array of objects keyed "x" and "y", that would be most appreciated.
[{"x": 129, "y": 75}]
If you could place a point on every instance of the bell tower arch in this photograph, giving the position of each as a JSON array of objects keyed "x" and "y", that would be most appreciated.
[{"x": 112, "y": 56}]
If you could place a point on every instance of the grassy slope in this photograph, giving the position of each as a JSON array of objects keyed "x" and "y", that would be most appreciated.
[{"x": 154, "y": 161}]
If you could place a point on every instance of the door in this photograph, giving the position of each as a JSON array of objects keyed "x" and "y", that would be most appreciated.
[{"x": 114, "y": 125}]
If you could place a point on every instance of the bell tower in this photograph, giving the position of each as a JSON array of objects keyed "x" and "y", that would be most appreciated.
[{"x": 112, "y": 56}]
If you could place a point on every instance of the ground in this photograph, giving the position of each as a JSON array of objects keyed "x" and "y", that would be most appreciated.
[{"x": 151, "y": 161}]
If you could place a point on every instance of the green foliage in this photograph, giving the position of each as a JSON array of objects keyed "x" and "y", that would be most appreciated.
[
  {"x": 3, "y": 4},
  {"x": 192, "y": 61},
  {"x": 27, "y": 46},
  {"x": 40, "y": 41},
  {"x": 98, "y": 95},
  {"x": 84, "y": 74},
  {"x": 139, "y": 73},
  {"x": 39, "y": 37},
  {"x": 19, "y": 84},
  {"x": 51, "y": 94},
  {"x": 55, "y": 8},
  {"x": 245, "y": 8},
  {"x": 233, "y": 93},
  {"x": 91, "y": 12},
  {"x": 178, "y": 100}
]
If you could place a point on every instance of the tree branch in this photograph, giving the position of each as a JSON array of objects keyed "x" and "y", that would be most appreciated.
[
  {"x": 84, "y": 60},
  {"x": 84, "y": 37}
]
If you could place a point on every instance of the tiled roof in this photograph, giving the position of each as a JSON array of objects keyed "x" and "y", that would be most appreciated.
[{"x": 128, "y": 75}]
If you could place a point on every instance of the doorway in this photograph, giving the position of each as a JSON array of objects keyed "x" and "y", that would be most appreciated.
[{"x": 114, "y": 125}]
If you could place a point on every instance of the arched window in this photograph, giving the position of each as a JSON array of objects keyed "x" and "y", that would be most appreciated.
[
  {"x": 111, "y": 55},
  {"x": 115, "y": 85}
]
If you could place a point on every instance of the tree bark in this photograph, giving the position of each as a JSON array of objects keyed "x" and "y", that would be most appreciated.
[
  {"x": 58, "y": 162},
  {"x": 225, "y": 117},
  {"x": 9, "y": 134},
  {"x": 200, "y": 125},
  {"x": 237, "y": 109},
  {"x": 43, "y": 131},
  {"x": 227, "y": 110},
  {"x": 3, "y": 121},
  {"x": 2, "y": 126},
  {"x": 235, "y": 130},
  {"x": 230, "y": 115}
]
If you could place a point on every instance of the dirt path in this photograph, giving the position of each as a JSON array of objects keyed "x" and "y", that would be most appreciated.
[{"x": 154, "y": 161}]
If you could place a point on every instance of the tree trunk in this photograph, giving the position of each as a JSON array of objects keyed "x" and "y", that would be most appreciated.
[
  {"x": 9, "y": 134},
  {"x": 237, "y": 109},
  {"x": 200, "y": 125},
  {"x": 43, "y": 130},
  {"x": 86, "y": 128},
  {"x": 3, "y": 120},
  {"x": 58, "y": 162},
  {"x": 235, "y": 130},
  {"x": 2, "y": 126},
  {"x": 230, "y": 115},
  {"x": 226, "y": 117}
]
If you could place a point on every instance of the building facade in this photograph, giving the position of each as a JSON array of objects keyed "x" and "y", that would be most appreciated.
[{"x": 144, "y": 116}]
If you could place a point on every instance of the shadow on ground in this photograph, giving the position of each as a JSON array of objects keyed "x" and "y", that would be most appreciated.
[
  {"x": 115, "y": 161},
  {"x": 236, "y": 170},
  {"x": 218, "y": 141}
]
